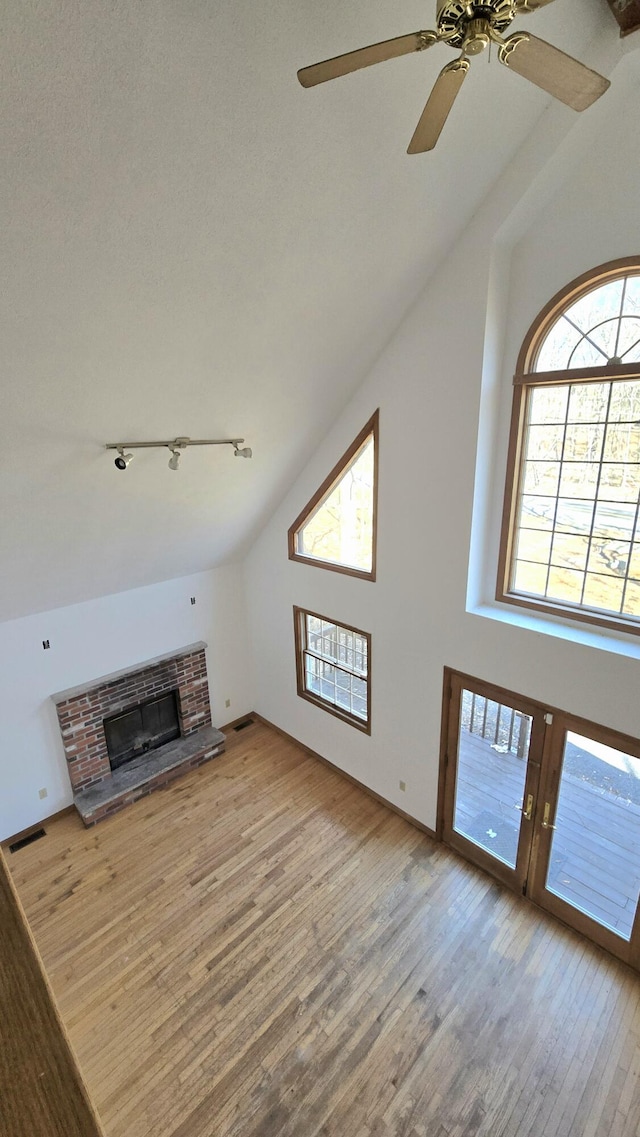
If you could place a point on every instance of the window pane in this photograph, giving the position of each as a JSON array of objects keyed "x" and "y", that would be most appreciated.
[
  {"x": 545, "y": 442},
  {"x": 601, "y": 303},
  {"x": 620, "y": 482},
  {"x": 631, "y": 605},
  {"x": 536, "y": 512},
  {"x": 548, "y": 404},
  {"x": 565, "y": 584},
  {"x": 541, "y": 477},
  {"x": 341, "y": 528},
  {"x": 634, "y": 567},
  {"x": 603, "y": 592},
  {"x": 605, "y": 336},
  {"x": 614, "y": 520},
  {"x": 625, "y": 402},
  {"x": 557, "y": 347},
  {"x": 573, "y": 516},
  {"x": 491, "y": 772},
  {"x": 583, "y": 443},
  {"x": 569, "y": 551},
  {"x": 534, "y": 545},
  {"x": 333, "y": 670},
  {"x": 631, "y": 306},
  {"x": 629, "y": 341},
  {"x": 528, "y": 577},
  {"x": 595, "y": 851},
  {"x": 588, "y": 402},
  {"x": 337, "y": 687},
  {"x": 622, "y": 443},
  {"x": 587, "y": 354},
  {"x": 579, "y": 479},
  {"x": 609, "y": 557}
]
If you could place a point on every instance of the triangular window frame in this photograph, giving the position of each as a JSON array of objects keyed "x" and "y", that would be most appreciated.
[{"x": 369, "y": 431}]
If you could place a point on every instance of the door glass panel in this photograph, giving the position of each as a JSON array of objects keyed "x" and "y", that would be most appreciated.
[
  {"x": 492, "y": 767},
  {"x": 595, "y": 851}
]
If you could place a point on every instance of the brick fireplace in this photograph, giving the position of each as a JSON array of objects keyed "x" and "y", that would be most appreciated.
[{"x": 99, "y": 791}]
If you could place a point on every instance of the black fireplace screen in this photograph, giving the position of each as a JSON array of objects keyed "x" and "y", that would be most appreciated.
[{"x": 145, "y": 727}]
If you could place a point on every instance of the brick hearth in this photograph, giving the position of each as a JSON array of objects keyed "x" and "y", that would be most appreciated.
[{"x": 82, "y": 710}]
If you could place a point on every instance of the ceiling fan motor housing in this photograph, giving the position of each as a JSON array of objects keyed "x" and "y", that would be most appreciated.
[{"x": 455, "y": 18}]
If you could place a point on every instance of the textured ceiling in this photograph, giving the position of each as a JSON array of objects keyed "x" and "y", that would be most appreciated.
[{"x": 195, "y": 245}]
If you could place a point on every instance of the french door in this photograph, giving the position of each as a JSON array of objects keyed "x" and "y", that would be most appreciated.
[{"x": 549, "y": 804}]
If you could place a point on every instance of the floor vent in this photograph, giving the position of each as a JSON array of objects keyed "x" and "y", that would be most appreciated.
[
  {"x": 241, "y": 725},
  {"x": 35, "y": 836}
]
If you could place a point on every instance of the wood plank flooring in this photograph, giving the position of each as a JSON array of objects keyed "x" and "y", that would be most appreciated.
[
  {"x": 41, "y": 1091},
  {"x": 262, "y": 949}
]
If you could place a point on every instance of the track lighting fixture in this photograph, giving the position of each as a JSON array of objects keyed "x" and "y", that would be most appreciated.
[
  {"x": 176, "y": 446},
  {"x": 123, "y": 460}
]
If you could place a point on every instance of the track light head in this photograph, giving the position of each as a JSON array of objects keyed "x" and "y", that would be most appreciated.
[
  {"x": 174, "y": 459},
  {"x": 244, "y": 453},
  {"x": 123, "y": 460}
]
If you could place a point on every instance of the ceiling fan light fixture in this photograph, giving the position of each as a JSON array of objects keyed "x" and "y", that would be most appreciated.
[{"x": 478, "y": 37}]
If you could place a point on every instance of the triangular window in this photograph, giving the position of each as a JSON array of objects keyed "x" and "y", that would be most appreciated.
[{"x": 337, "y": 529}]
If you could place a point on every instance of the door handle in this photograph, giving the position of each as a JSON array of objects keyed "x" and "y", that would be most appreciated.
[
  {"x": 545, "y": 816},
  {"x": 527, "y": 811}
]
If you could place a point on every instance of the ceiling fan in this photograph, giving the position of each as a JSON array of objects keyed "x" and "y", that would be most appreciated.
[{"x": 473, "y": 26}]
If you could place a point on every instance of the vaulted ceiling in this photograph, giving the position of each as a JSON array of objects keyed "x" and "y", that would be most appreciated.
[{"x": 194, "y": 245}]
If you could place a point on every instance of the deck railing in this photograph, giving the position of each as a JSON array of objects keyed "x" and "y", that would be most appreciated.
[{"x": 506, "y": 728}]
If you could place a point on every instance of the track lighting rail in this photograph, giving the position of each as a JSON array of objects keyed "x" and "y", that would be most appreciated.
[{"x": 175, "y": 445}]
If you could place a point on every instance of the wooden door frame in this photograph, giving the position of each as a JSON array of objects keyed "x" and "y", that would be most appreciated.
[
  {"x": 555, "y": 724},
  {"x": 626, "y": 950},
  {"x": 454, "y": 683}
]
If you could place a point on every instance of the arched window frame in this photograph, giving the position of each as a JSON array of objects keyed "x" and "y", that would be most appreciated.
[{"x": 526, "y": 379}]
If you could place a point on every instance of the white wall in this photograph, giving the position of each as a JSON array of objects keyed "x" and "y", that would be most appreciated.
[
  {"x": 448, "y": 368},
  {"x": 94, "y": 639}
]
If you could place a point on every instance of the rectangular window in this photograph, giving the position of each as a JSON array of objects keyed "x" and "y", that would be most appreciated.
[
  {"x": 576, "y": 530},
  {"x": 332, "y": 667}
]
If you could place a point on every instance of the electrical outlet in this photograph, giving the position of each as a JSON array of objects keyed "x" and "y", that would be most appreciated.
[
  {"x": 43, "y": 792},
  {"x": 193, "y": 600},
  {"x": 227, "y": 702},
  {"x": 46, "y": 645},
  {"x": 403, "y": 785}
]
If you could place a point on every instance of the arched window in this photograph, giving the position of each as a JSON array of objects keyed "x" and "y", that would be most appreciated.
[{"x": 571, "y": 526}]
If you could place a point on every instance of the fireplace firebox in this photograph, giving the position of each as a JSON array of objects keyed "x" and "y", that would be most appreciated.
[{"x": 141, "y": 728}]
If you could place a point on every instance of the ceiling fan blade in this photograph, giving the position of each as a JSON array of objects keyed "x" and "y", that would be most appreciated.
[
  {"x": 365, "y": 57},
  {"x": 439, "y": 103},
  {"x": 557, "y": 73}
]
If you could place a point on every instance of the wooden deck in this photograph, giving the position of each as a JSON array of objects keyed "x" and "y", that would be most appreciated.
[
  {"x": 263, "y": 950},
  {"x": 595, "y": 861}
]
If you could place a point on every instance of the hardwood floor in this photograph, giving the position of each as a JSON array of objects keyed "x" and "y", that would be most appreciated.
[
  {"x": 41, "y": 1091},
  {"x": 263, "y": 949}
]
